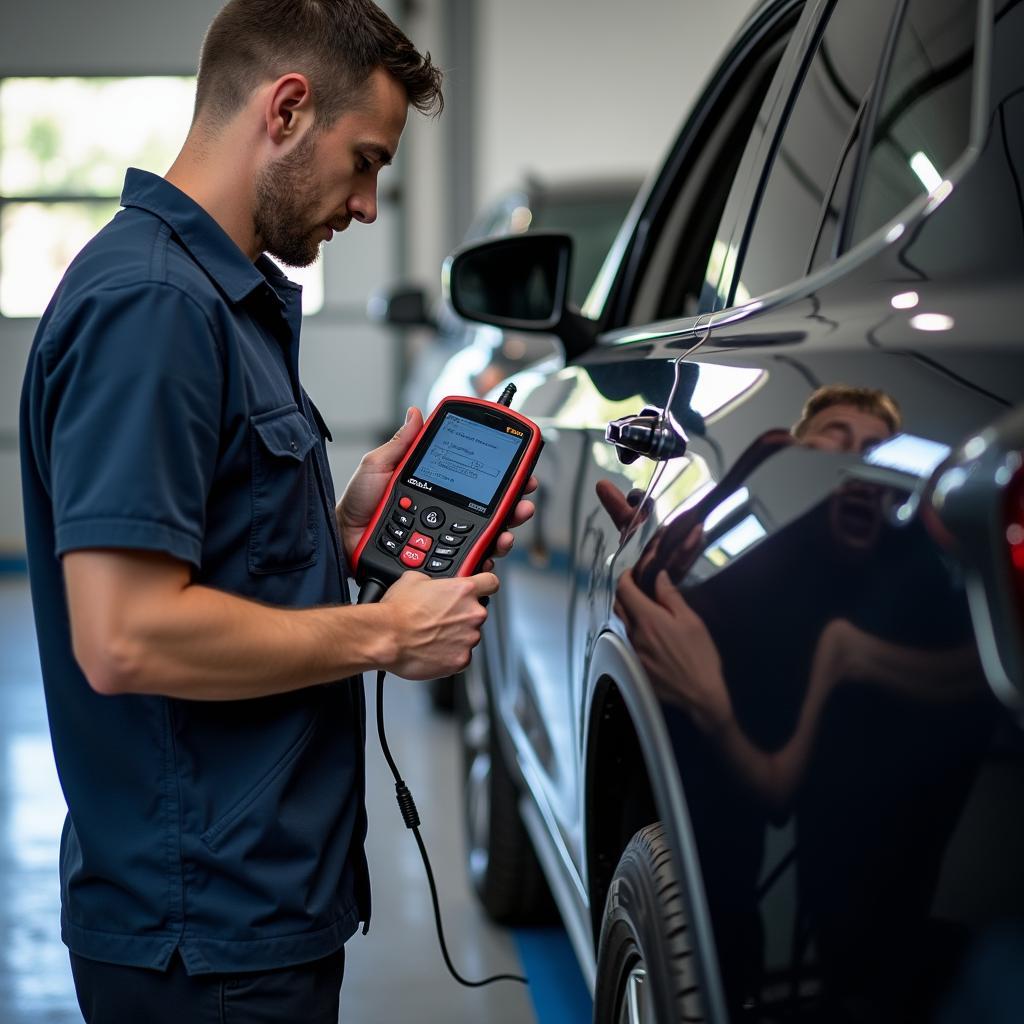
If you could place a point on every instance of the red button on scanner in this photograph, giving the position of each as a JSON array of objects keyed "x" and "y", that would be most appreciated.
[
  {"x": 411, "y": 558},
  {"x": 421, "y": 541},
  {"x": 405, "y": 503}
]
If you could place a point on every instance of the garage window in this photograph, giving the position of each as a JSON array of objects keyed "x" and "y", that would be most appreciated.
[{"x": 64, "y": 147}]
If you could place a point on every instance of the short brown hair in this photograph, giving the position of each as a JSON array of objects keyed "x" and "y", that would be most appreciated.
[
  {"x": 337, "y": 44},
  {"x": 869, "y": 400}
]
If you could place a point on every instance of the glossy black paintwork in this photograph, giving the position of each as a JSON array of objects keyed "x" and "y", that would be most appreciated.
[{"x": 853, "y": 787}]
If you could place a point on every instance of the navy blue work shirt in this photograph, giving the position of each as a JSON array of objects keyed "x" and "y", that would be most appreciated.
[{"x": 162, "y": 411}]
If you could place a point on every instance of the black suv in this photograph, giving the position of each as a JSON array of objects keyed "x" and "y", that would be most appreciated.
[{"x": 747, "y": 707}]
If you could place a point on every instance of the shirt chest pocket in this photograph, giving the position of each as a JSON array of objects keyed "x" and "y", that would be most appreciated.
[{"x": 285, "y": 523}]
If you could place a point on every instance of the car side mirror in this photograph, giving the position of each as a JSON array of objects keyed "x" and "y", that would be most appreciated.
[
  {"x": 401, "y": 305},
  {"x": 518, "y": 282}
]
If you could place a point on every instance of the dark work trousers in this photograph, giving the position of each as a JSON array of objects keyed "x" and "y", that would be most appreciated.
[{"x": 112, "y": 994}]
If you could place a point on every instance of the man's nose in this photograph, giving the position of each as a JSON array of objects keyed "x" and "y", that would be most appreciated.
[{"x": 363, "y": 207}]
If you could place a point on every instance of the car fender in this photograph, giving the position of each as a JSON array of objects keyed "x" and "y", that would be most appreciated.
[{"x": 614, "y": 666}]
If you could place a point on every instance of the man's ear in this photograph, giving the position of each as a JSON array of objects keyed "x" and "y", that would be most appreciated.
[{"x": 289, "y": 108}]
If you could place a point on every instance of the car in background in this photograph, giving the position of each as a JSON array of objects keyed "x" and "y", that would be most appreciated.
[
  {"x": 747, "y": 708},
  {"x": 462, "y": 358}
]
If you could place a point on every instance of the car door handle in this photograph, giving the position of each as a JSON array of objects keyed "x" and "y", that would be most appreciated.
[{"x": 650, "y": 433}]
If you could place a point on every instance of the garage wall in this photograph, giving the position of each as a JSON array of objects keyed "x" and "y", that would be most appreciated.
[
  {"x": 589, "y": 86},
  {"x": 557, "y": 89},
  {"x": 124, "y": 37}
]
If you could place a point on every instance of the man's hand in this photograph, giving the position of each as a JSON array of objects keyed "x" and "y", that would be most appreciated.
[
  {"x": 676, "y": 650},
  {"x": 436, "y": 622},
  {"x": 622, "y": 508},
  {"x": 370, "y": 481}
]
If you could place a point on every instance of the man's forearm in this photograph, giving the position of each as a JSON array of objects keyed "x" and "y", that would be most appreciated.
[
  {"x": 215, "y": 646},
  {"x": 182, "y": 640}
]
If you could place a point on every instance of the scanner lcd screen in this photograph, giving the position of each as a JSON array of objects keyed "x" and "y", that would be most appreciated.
[{"x": 468, "y": 458}]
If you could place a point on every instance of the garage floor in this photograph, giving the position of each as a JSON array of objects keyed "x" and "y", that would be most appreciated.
[{"x": 394, "y": 974}]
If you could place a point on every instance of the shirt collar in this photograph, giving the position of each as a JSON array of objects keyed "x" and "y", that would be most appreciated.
[{"x": 210, "y": 245}]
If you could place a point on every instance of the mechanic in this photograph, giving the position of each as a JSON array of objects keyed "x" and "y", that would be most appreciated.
[{"x": 188, "y": 559}]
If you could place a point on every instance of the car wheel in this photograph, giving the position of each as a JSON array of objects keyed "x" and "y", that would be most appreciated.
[
  {"x": 645, "y": 969},
  {"x": 502, "y": 865}
]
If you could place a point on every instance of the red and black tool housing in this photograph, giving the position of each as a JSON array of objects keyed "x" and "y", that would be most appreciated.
[{"x": 441, "y": 530}]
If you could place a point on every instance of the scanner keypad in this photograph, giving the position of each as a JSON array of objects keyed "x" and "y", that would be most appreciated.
[
  {"x": 412, "y": 558},
  {"x": 432, "y": 518},
  {"x": 411, "y": 534},
  {"x": 390, "y": 545}
]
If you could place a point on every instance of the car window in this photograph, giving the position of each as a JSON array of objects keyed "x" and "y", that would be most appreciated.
[
  {"x": 592, "y": 221},
  {"x": 682, "y": 240},
  {"x": 923, "y": 123},
  {"x": 798, "y": 210}
]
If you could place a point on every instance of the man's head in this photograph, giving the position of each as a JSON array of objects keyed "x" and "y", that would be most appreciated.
[
  {"x": 324, "y": 87},
  {"x": 842, "y": 418},
  {"x": 336, "y": 44}
]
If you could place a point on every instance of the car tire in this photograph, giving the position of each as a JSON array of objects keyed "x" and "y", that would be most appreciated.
[
  {"x": 645, "y": 968},
  {"x": 502, "y": 866}
]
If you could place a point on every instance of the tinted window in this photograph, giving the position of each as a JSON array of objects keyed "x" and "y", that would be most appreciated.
[
  {"x": 923, "y": 122},
  {"x": 682, "y": 243},
  {"x": 592, "y": 222},
  {"x": 798, "y": 211}
]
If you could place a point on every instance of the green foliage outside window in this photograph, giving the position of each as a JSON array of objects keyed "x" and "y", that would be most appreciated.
[{"x": 64, "y": 146}]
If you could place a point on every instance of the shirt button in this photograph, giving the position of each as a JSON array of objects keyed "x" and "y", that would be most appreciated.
[{"x": 295, "y": 446}]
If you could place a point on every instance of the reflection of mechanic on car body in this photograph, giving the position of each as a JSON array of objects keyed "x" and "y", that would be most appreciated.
[
  {"x": 747, "y": 666},
  {"x": 682, "y": 660},
  {"x": 684, "y": 665}
]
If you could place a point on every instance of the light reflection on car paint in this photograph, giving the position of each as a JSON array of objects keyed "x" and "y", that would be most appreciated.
[{"x": 846, "y": 718}]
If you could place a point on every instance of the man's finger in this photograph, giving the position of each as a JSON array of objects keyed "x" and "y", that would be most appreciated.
[
  {"x": 668, "y": 596},
  {"x": 614, "y": 503},
  {"x": 484, "y": 584},
  {"x": 523, "y": 512},
  {"x": 531, "y": 485},
  {"x": 503, "y": 545},
  {"x": 631, "y": 596},
  {"x": 389, "y": 454}
]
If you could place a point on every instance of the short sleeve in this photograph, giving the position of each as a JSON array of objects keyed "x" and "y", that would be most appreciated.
[{"x": 131, "y": 406}]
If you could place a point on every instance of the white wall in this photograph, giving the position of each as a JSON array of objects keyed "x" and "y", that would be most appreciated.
[
  {"x": 590, "y": 86},
  {"x": 115, "y": 37},
  {"x": 564, "y": 88},
  {"x": 349, "y": 366}
]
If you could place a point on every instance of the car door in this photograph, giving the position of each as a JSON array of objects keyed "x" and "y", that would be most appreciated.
[
  {"x": 548, "y": 587},
  {"x": 848, "y": 774}
]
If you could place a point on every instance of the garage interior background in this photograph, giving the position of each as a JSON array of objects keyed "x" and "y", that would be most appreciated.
[{"x": 555, "y": 88}]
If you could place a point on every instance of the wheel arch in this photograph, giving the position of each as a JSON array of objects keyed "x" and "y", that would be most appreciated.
[{"x": 630, "y": 772}]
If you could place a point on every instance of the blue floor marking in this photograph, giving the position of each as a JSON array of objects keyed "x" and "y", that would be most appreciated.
[
  {"x": 13, "y": 565},
  {"x": 559, "y": 993}
]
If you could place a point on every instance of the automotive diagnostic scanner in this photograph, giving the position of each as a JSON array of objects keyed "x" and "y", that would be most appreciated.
[
  {"x": 443, "y": 509},
  {"x": 451, "y": 495}
]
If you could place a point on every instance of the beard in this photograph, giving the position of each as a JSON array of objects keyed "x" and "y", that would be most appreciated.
[{"x": 285, "y": 203}]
